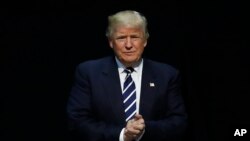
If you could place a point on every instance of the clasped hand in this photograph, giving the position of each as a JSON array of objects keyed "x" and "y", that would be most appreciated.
[{"x": 134, "y": 128}]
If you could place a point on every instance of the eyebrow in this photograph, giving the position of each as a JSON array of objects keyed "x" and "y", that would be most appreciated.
[{"x": 131, "y": 35}]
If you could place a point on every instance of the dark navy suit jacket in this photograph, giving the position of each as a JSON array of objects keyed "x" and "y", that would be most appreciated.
[{"x": 95, "y": 107}]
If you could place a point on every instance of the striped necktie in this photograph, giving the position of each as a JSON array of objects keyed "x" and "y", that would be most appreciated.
[{"x": 129, "y": 95}]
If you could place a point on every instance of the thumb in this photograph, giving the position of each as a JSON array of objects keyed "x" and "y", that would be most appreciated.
[{"x": 137, "y": 117}]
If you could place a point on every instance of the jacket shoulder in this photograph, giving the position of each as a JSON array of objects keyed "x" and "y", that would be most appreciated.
[
  {"x": 94, "y": 62},
  {"x": 160, "y": 66}
]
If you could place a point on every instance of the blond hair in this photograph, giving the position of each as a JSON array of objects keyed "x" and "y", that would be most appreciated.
[{"x": 128, "y": 18}]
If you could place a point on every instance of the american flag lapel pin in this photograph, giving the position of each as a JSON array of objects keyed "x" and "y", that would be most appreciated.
[{"x": 152, "y": 84}]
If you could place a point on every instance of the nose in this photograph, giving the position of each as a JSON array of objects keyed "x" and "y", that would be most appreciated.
[{"x": 128, "y": 43}]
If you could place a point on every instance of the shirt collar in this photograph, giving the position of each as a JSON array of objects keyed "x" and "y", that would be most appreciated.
[{"x": 121, "y": 67}]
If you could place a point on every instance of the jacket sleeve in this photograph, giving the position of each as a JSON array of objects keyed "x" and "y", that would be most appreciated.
[{"x": 83, "y": 123}]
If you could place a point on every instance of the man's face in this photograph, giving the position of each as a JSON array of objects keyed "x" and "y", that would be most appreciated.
[{"x": 128, "y": 44}]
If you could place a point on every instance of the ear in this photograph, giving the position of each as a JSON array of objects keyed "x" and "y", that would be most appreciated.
[
  {"x": 145, "y": 43},
  {"x": 110, "y": 43}
]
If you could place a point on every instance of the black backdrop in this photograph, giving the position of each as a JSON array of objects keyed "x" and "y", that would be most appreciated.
[{"x": 42, "y": 42}]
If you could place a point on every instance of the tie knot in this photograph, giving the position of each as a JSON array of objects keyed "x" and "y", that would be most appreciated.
[{"x": 129, "y": 70}]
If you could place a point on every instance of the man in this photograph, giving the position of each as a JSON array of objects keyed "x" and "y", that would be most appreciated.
[{"x": 126, "y": 97}]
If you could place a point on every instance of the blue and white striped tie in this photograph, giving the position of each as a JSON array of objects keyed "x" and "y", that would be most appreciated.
[{"x": 129, "y": 95}]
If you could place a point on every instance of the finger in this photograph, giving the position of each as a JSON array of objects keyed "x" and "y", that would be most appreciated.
[
  {"x": 130, "y": 131},
  {"x": 137, "y": 117},
  {"x": 139, "y": 127},
  {"x": 128, "y": 135},
  {"x": 133, "y": 124},
  {"x": 133, "y": 131},
  {"x": 139, "y": 121},
  {"x": 130, "y": 126}
]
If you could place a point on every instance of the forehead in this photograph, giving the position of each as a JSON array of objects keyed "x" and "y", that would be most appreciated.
[{"x": 120, "y": 30}]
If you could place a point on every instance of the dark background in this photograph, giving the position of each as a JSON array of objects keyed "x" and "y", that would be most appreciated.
[{"x": 43, "y": 41}]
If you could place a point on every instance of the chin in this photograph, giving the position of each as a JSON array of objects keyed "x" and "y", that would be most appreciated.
[{"x": 131, "y": 61}]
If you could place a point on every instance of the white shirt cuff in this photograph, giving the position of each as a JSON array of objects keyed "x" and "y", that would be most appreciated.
[{"x": 121, "y": 135}]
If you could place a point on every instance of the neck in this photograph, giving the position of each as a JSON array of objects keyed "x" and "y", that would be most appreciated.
[{"x": 132, "y": 64}]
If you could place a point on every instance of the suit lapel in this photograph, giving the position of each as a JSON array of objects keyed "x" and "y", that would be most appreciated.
[
  {"x": 148, "y": 90},
  {"x": 111, "y": 83}
]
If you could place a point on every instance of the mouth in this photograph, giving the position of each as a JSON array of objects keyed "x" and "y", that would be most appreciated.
[{"x": 129, "y": 53}]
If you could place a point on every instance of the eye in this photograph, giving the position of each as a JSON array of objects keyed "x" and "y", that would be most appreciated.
[
  {"x": 120, "y": 38},
  {"x": 135, "y": 37}
]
